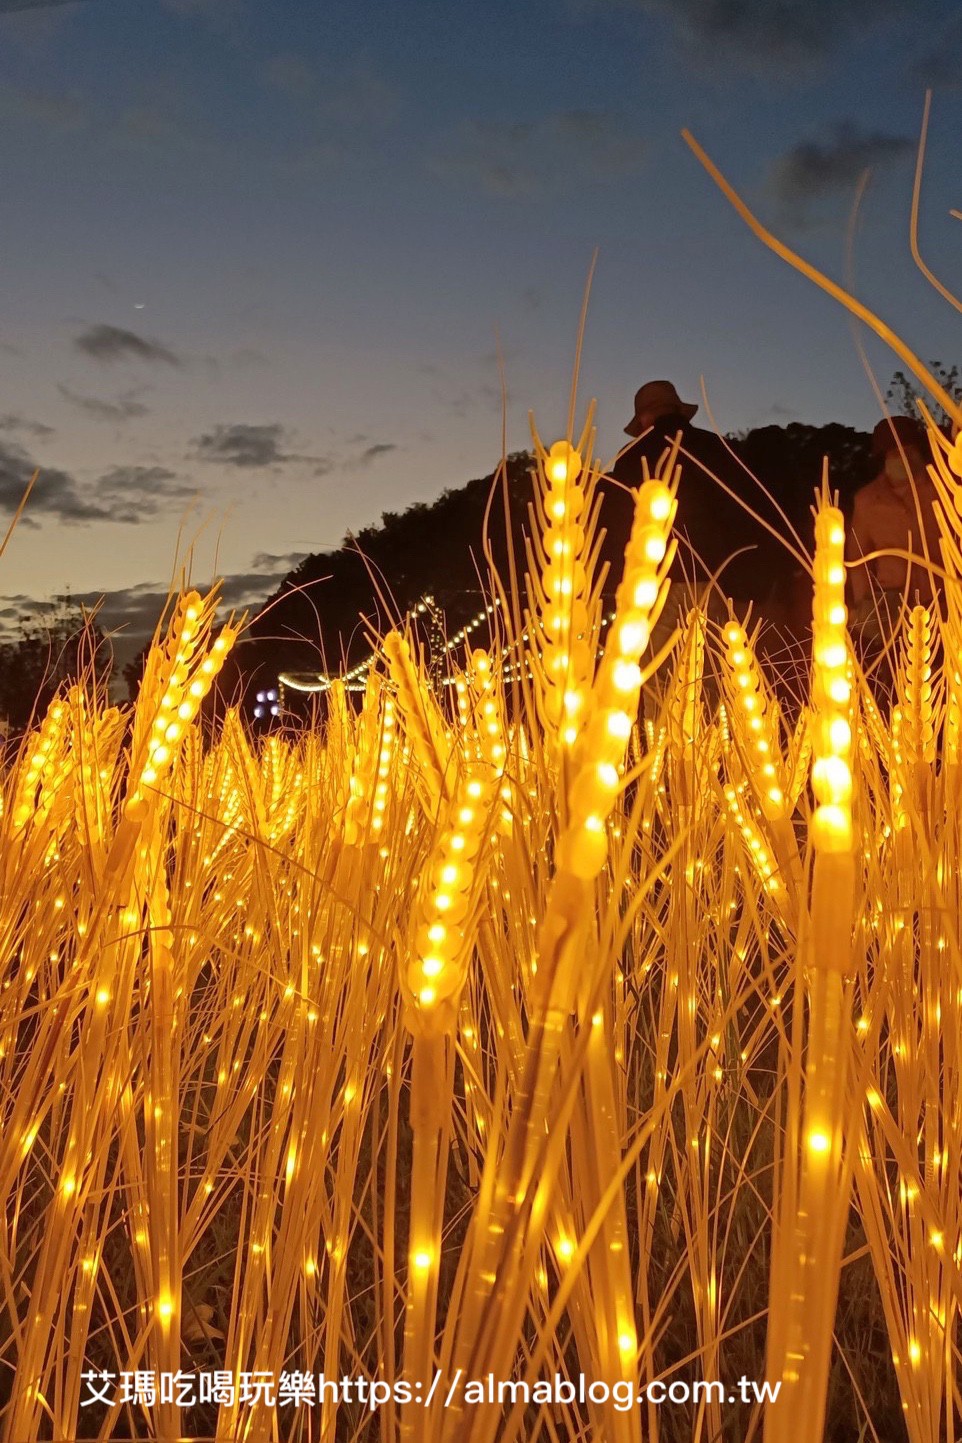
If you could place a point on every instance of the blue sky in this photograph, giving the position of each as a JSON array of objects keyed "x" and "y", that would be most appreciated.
[{"x": 258, "y": 254}]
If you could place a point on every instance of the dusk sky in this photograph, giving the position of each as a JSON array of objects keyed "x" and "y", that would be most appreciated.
[{"x": 257, "y": 253}]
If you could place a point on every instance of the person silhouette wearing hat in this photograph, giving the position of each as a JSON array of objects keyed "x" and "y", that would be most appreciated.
[
  {"x": 894, "y": 512},
  {"x": 715, "y": 532}
]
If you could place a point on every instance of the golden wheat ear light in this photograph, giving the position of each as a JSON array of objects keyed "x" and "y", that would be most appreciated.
[
  {"x": 612, "y": 704},
  {"x": 805, "y": 1273},
  {"x": 175, "y": 682},
  {"x": 564, "y": 623}
]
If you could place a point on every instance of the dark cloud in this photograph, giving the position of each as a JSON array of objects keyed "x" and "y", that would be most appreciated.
[
  {"x": 244, "y": 446},
  {"x": 254, "y": 448},
  {"x": 125, "y": 408},
  {"x": 526, "y": 159},
  {"x": 20, "y": 423},
  {"x": 55, "y": 493},
  {"x": 813, "y": 170},
  {"x": 766, "y": 30},
  {"x": 133, "y": 494},
  {"x": 241, "y": 358},
  {"x": 112, "y": 343},
  {"x": 130, "y": 614},
  {"x": 268, "y": 561},
  {"x": 371, "y": 453},
  {"x": 126, "y": 495}
]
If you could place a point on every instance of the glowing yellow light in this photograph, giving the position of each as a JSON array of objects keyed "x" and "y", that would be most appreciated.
[{"x": 659, "y": 506}]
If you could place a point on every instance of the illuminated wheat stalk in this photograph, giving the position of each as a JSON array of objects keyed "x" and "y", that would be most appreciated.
[
  {"x": 564, "y": 625},
  {"x": 609, "y": 709},
  {"x": 174, "y": 685},
  {"x": 421, "y": 718},
  {"x": 815, "y": 1206},
  {"x": 756, "y": 731},
  {"x": 432, "y": 984}
]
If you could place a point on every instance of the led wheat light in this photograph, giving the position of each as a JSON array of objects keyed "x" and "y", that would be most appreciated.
[
  {"x": 488, "y": 1005},
  {"x": 805, "y": 1274}
]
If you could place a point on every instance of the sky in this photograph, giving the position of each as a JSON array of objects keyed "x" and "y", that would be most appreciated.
[{"x": 260, "y": 258}]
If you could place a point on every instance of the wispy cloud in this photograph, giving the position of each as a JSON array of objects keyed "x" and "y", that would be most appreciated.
[
  {"x": 133, "y": 494},
  {"x": 109, "y": 344},
  {"x": 248, "y": 447},
  {"x": 814, "y": 170},
  {"x": 21, "y": 423},
  {"x": 269, "y": 561},
  {"x": 370, "y": 454},
  {"x": 125, "y": 495},
  {"x": 525, "y": 159},
  {"x": 125, "y": 408},
  {"x": 765, "y": 31},
  {"x": 55, "y": 493}
]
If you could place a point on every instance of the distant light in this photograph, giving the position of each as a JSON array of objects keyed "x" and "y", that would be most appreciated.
[
  {"x": 275, "y": 711},
  {"x": 258, "y": 711},
  {"x": 261, "y": 696},
  {"x": 272, "y": 696}
]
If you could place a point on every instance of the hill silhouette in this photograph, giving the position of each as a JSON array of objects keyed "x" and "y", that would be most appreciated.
[{"x": 322, "y": 616}]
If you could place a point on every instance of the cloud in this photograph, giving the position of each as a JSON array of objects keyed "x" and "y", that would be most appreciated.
[
  {"x": 131, "y": 613},
  {"x": 111, "y": 343},
  {"x": 814, "y": 170},
  {"x": 125, "y": 495},
  {"x": 246, "y": 447},
  {"x": 268, "y": 561},
  {"x": 371, "y": 453},
  {"x": 20, "y": 423},
  {"x": 133, "y": 494},
  {"x": 55, "y": 493},
  {"x": 525, "y": 159},
  {"x": 125, "y": 408},
  {"x": 765, "y": 30}
]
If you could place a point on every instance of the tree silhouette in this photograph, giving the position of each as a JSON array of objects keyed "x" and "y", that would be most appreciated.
[
  {"x": 325, "y": 612},
  {"x": 904, "y": 393},
  {"x": 45, "y": 654}
]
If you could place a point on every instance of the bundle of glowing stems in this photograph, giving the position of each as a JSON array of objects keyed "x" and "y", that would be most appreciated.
[
  {"x": 815, "y": 1201},
  {"x": 611, "y": 705}
]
